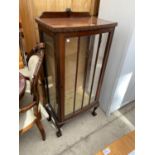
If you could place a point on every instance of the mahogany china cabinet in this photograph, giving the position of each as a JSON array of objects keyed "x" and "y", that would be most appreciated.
[{"x": 77, "y": 49}]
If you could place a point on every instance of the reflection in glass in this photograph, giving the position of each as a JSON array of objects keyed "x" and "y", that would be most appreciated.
[
  {"x": 99, "y": 64},
  {"x": 70, "y": 71},
  {"x": 83, "y": 55},
  {"x": 82, "y": 85},
  {"x": 90, "y": 67},
  {"x": 50, "y": 65}
]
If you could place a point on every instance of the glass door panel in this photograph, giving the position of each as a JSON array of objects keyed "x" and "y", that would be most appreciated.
[
  {"x": 70, "y": 72},
  {"x": 81, "y": 73},
  {"x": 98, "y": 64},
  {"x": 90, "y": 68},
  {"x": 83, "y": 63}
]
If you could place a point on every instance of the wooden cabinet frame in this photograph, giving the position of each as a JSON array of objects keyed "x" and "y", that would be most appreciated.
[{"x": 60, "y": 35}]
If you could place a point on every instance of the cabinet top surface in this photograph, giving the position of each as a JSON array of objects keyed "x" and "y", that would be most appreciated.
[{"x": 72, "y": 23}]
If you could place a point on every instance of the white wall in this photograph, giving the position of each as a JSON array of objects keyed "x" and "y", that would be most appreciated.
[
  {"x": 121, "y": 59},
  {"x": 124, "y": 91}
]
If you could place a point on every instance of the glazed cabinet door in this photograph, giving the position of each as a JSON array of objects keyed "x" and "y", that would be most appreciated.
[{"x": 83, "y": 63}]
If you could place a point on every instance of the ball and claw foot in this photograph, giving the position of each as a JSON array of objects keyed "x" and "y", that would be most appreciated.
[
  {"x": 59, "y": 134},
  {"x": 94, "y": 111}
]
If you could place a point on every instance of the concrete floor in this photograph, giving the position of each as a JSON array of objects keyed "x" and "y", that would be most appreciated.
[{"x": 83, "y": 135}]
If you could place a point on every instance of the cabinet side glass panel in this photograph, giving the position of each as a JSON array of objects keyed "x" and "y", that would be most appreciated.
[{"x": 51, "y": 74}]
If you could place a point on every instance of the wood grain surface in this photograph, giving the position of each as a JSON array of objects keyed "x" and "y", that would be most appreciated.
[
  {"x": 122, "y": 146},
  {"x": 30, "y": 9}
]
